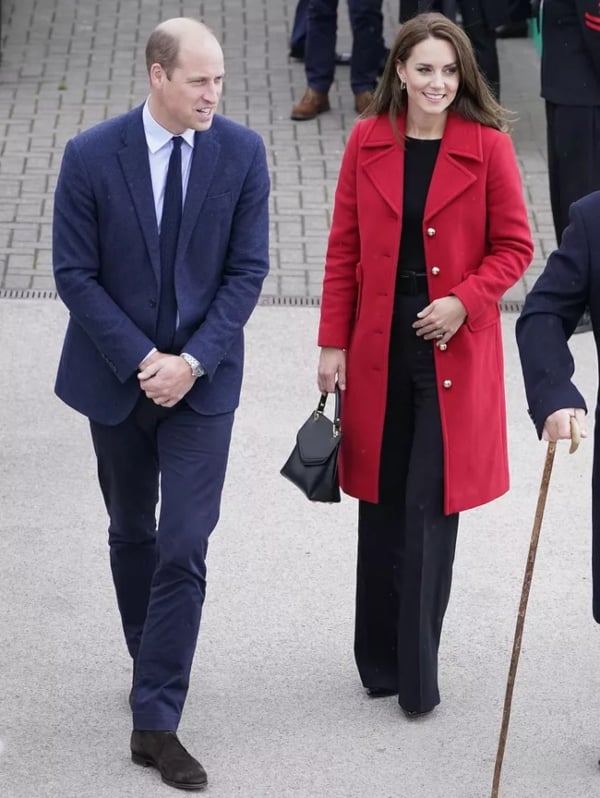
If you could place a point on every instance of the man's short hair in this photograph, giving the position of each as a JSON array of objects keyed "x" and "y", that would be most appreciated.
[{"x": 162, "y": 48}]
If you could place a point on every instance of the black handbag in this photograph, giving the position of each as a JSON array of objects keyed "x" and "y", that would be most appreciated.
[{"x": 312, "y": 465}]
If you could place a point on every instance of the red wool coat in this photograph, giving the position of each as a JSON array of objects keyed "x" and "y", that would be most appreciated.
[{"x": 477, "y": 244}]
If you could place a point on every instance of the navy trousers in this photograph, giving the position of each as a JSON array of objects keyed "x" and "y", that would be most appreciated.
[
  {"x": 159, "y": 572},
  {"x": 405, "y": 542},
  {"x": 368, "y": 48},
  {"x": 298, "y": 34}
]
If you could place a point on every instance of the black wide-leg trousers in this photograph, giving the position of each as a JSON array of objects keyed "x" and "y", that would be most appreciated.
[{"x": 405, "y": 542}]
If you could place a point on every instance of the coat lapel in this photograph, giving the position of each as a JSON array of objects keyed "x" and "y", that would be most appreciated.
[
  {"x": 136, "y": 168},
  {"x": 452, "y": 176},
  {"x": 383, "y": 161},
  {"x": 204, "y": 160}
]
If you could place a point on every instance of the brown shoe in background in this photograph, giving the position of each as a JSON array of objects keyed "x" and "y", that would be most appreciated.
[
  {"x": 311, "y": 105},
  {"x": 362, "y": 101}
]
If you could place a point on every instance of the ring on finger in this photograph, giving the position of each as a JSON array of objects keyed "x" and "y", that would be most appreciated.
[{"x": 439, "y": 335}]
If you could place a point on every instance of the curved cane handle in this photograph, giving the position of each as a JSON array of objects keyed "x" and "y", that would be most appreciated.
[{"x": 575, "y": 435}]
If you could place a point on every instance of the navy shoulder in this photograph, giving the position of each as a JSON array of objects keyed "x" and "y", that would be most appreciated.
[
  {"x": 109, "y": 132},
  {"x": 589, "y": 206},
  {"x": 234, "y": 133}
]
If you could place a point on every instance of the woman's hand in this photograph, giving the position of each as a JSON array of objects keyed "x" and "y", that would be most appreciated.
[
  {"x": 332, "y": 364},
  {"x": 440, "y": 319}
]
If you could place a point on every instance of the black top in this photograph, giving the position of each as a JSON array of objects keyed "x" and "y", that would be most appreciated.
[
  {"x": 419, "y": 160},
  {"x": 571, "y": 52}
]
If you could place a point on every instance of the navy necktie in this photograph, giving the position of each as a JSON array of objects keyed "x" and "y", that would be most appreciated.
[{"x": 169, "y": 235}]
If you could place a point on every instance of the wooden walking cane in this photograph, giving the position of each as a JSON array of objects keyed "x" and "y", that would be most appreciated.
[{"x": 535, "y": 535}]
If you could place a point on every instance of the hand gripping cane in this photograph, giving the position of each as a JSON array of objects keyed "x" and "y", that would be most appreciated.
[{"x": 535, "y": 535}]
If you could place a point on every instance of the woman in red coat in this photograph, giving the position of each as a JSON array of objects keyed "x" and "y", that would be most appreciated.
[{"x": 429, "y": 231}]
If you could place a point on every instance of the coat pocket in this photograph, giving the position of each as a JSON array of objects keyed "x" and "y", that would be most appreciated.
[{"x": 487, "y": 317}]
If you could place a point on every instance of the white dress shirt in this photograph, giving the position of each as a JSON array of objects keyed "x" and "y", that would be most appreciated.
[
  {"x": 160, "y": 147},
  {"x": 159, "y": 151}
]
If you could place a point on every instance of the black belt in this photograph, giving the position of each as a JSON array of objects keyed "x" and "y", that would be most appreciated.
[{"x": 411, "y": 283}]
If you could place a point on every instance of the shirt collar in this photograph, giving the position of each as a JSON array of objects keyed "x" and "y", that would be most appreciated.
[{"x": 157, "y": 136}]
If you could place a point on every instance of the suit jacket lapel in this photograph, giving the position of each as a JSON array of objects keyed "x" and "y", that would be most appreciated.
[
  {"x": 136, "y": 168},
  {"x": 204, "y": 160}
]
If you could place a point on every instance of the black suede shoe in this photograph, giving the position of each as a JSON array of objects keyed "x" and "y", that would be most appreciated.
[
  {"x": 380, "y": 692},
  {"x": 163, "y": 751}
]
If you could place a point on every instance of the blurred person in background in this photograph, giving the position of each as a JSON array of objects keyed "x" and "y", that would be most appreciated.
[
  {"x": 570, "y": 85},
  {"x": 368, "y": 50}
]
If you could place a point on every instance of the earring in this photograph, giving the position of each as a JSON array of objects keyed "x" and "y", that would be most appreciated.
[{"x": 402, "y": 85}]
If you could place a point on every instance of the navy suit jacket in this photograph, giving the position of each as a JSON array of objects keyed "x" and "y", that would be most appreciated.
[
  {"x": 569, "y": 283},
  {"x": 107, "y": 263}
]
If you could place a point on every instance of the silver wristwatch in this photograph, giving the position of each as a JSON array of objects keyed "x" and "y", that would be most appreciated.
[{"x": 197, "y": 368}]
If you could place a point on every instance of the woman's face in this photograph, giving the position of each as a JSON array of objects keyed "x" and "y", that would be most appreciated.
[{"x": 431, "y": 76}]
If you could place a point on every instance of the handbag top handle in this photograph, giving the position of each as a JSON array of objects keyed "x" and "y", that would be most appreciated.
[{"x": 337, "y": 410}]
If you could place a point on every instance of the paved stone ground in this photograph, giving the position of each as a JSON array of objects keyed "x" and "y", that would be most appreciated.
[{"x": 70, "y": 63}]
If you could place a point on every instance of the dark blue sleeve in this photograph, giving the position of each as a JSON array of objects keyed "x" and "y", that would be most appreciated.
[{"x": 551, "y": 312}]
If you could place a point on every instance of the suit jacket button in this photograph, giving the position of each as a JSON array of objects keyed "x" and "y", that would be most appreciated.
[
  {"x": 447, "y": 383},
  {"x": 431, "y": 231},
  {"x": 152, "y": 303},
  {"x": 441, "y": 346},
  {"x": 435, "y": 270}
]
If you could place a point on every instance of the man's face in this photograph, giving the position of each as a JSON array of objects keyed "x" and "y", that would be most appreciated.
[{"x": 190, "y": 97}]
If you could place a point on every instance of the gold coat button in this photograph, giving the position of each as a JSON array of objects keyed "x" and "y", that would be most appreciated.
[
  {"x": 435, "y": 270},
  {"x": 442, "y": 347},
  {"x": 447, "y": 383},
  {"x": 431, "y": 231}
]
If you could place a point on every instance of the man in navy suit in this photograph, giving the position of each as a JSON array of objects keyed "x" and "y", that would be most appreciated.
[{"x": 153, "y": 352}]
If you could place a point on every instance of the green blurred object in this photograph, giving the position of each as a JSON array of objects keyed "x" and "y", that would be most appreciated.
[{"x": 535, "y": 31}]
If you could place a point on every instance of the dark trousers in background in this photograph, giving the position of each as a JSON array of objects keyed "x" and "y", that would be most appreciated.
[
  {"x": 408, "y": 8},
  {"x": 405, "y": 543},
  {"x": 160, "y": 574},
  {"x": 298, "y": 35},
  {"x": 483, "y": 38},
  {"x": 573, "y": 134},
  {"x": 366, "y": 22},
  {"x": 519, "y": 10}
]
